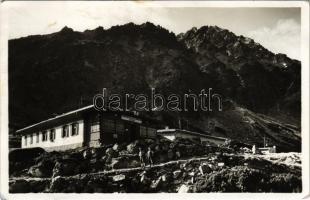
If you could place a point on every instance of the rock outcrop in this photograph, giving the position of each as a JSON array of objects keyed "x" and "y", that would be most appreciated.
[
  {"x": 211, "y": 169},
  {"x": 64, "y": 70}
]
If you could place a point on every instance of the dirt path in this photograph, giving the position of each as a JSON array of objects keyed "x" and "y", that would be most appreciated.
[{"x": 119, "y": 171}]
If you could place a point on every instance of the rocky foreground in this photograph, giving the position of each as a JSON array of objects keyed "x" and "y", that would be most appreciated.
[
  {"x": 180, "y": 166},
  {"x": 261, "y": 90}
]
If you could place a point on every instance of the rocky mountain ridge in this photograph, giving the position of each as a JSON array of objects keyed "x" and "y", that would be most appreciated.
[
  {"x": 246, "y": 67},
  {"x": 62, "y": 71}
]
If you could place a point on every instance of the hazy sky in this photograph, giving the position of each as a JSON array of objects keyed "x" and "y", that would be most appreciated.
[{"x": 278, "y": 29}]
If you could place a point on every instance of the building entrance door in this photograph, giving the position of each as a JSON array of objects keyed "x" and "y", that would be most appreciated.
[{"x": 131, "y": 131}]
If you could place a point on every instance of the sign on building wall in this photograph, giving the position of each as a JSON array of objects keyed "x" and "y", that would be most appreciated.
[{"x": 131, "y": 119}]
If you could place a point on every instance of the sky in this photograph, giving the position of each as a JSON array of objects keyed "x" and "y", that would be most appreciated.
[{"x": 277, "y": 29}]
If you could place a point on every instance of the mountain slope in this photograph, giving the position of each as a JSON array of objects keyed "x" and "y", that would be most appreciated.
[
  {"x": 246, "y": 69},
  {"x": 58, "y": 72}
]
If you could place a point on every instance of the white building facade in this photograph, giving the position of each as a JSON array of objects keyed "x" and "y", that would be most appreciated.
[
  {"x": 86, "y": 127},
  {"x": 66, "y": 136}
]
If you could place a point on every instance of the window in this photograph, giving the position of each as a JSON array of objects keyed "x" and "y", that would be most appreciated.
[
  {"x": 37, "y": 137},
  {"x": 65, "y": 131},
  {"x": 44, "y": 136},
  {"x": 25, "y": 140},
  {"x": 95, "y": 125},
  {"x": 31, "y": 139},
  {"x": 109, "y": 126},
  {"x": 75, "y": 129},
  {"x": 52, "y": 135},
  {"x": 119, "y": 128},
  {"x": 95, "y": 128},
  {"x": 151, "y": 132},
  {"x": 143, "y": 131}
]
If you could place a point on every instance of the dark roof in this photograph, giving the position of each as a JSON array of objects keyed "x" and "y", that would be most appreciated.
[
  {"x": 74, "y": 115},
  {"x": 55, "y": 119}
]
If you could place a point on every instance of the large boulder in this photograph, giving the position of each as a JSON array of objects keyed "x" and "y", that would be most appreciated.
[
  {"x": 236, "y": 179},
  {"x": 94, "y": 165},
  {"x": 184, "y": 189},
  {"x": 157, "y": 148},
  {"x": 74, "y": 155},
  {"x": 99, "y": 151},
  {"x": 165, "y": 146},
  {"x": 26, "y": 186},
  {"x": 170, "y": 154},
  {"x": 50, "y": 157},
  {"x": 125, "y": 162},
  {"x": 116, "y": 163},
  {"x": 133, "y": 147},
  {"x": 20, "y": 155},
  {"x": 149, "y": 141},
  {"x": 75, "y": 184},
  {"x": 119, "y": 147},
  {"x": 19, "y": 186},
  {"x": 66, "y": 167},
  {"x": 119, "y": 177},
  {"x": 285, "y": 182},
  {"x": 42, "y": 169},
  {"x": 204, "y": 168},
  {"x": 97, "y": 184},
  {"x": 87, "y": 154},
  {"x": 58, "y": 184},
  {"x": 111, "y": 153},
  {"x": 155, "y": 185},
  {"x": 21, "y": 160},
  {"x": 19, "y": 169},
  {"x": 176, "y": 174},
  {"x": 161, "y": 157},
  {"x": 145, "y": 179},
  {"x": 133, "y": 163}
]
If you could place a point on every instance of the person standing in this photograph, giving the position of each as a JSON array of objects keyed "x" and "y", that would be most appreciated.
[
  {"x": 254, "y": 151},
  {"x": 178, "y": 154},
  {"x": 141, "y": 158},
  {"x": 149, "y": 156}
]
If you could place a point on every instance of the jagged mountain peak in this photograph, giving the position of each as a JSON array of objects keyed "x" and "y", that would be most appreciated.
[
  {"x": 98, "y": 29},
  {"x": 134, "y": 58},
  {"x": 227, "y": 47},
  {"x": 66, "y": 29}
]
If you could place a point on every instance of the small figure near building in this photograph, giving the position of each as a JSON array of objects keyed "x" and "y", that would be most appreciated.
[
  {"x": 141, "y": 158},
  {"x": 178, "y": 154},
  {"x": 149, "y": 156},
  {"x": 254, "y": 151}
]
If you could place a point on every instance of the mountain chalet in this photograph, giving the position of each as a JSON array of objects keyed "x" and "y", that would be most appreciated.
[{"x": 88, "y": 127}]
